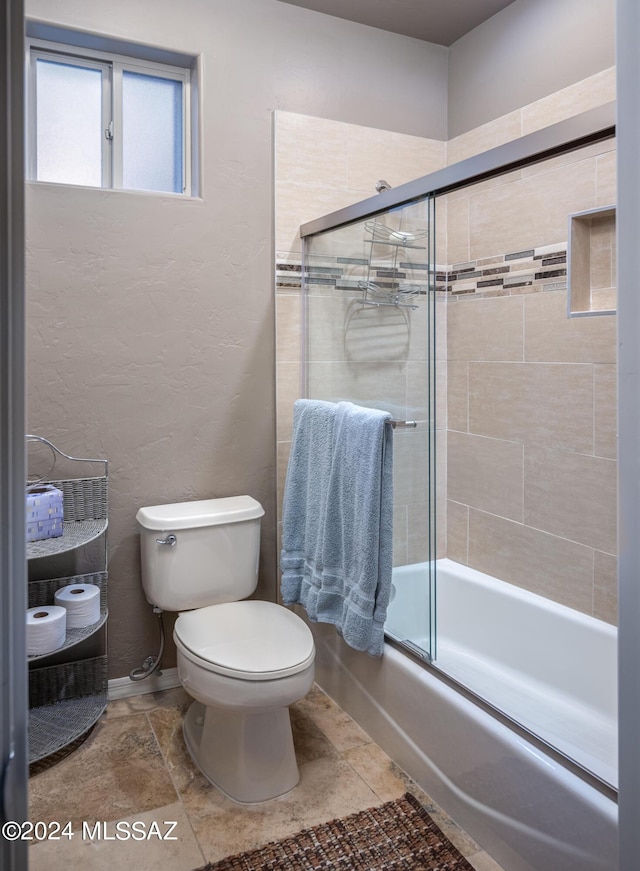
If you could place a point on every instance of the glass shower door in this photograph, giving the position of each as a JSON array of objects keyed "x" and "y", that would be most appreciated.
[{"x": 370, "y": 338}]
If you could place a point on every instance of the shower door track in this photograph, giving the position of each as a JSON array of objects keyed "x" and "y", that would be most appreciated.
[{"x": 584, "y": 129}]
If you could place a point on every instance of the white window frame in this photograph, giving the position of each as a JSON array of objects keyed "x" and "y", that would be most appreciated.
[{"x": 112, "y": 66}]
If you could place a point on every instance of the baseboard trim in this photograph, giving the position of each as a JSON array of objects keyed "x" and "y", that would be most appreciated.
[{"x": 123, "y": 687}]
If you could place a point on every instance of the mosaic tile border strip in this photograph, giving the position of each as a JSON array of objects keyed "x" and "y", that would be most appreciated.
[
  {"x": 531, "y": 271},
  {"x": 349, "y": 273}
]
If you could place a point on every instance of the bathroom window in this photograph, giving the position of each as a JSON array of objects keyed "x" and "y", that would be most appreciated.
[{"x": 108, "y": 120}]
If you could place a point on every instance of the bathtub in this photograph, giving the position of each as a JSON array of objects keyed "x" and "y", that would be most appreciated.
[
  {"x": 553, "y": 671},
  {"x": 546, "y": 666}
]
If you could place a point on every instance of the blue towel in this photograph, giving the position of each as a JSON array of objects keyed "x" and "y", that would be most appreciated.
[{"x": 337, "y": 544}]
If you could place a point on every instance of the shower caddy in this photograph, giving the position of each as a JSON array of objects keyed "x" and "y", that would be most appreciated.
[
  {"x": 68, "y": 690},
  {"x": 385, "y": 246}
]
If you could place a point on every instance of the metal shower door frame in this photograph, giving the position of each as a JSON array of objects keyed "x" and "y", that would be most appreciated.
[{"x": 13, "y": 572}]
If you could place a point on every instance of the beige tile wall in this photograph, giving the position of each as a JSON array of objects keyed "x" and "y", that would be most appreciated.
[
  {"x": 530, "y": 207},
  {"x": 526, "y": 470},
  {"x": 323, "y": 165},
  {"x": 547, "y": 564},
  {"x": 531, "y": 468},
  {"x": 587, "y": 94},
  {"x": 367, "y": 354}
]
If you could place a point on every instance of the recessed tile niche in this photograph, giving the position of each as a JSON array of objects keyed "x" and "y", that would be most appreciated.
[{"x": 591, "y": 260}]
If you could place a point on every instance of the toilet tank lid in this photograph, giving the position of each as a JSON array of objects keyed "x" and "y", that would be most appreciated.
[{"x": 203, "y": 512}]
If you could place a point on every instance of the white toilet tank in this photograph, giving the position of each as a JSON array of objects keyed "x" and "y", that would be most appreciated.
[{"x": 200, "y": 553}]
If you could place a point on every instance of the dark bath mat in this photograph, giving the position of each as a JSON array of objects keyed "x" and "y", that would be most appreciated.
[{"x": 397, "y": 836}]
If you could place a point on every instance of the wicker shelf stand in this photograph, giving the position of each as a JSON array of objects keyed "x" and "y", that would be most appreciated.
[{"x": 68, "y": 692}]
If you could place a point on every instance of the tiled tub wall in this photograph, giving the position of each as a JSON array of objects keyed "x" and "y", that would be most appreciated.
[
  {"x": 322, "y": 166},
  {"x": 377, "y": 356},
  {"x": 360, "y": 353},
  {"x": 531, "y": 447}
]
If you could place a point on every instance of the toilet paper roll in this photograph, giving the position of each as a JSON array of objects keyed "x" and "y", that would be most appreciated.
[
  {"x": 46, "y": 629},
  {"x": 82, "y": 602}
]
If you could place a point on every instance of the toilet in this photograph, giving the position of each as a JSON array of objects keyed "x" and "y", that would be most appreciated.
[{"x": 243, "y": 662}]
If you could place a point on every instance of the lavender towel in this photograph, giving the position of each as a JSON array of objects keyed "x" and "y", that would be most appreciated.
[{"x": 337, "y": 547}]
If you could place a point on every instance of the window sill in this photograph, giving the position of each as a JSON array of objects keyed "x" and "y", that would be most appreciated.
[{"x": 118, "y": 191}]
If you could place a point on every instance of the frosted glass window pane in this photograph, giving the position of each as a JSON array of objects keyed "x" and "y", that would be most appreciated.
[
  {"x": 69, "y": 123},
  {"x": 152, "y": 133}
]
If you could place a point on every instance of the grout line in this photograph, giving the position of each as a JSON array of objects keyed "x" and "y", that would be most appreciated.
[
  {"x": 523, "y": 482},
  {"x": 173, "y": 783},
  {"x": 593, "y": 432},
  {"x": 164, "y": 760},
  {"x": 468, "y": 522},
  {"x": 363, "y": 779},
  {"x": 467, "y": 378},
  {"x": 524, "y": 331}
]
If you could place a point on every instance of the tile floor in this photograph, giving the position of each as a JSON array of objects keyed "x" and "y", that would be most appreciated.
[{"x": 134, "y": 766}]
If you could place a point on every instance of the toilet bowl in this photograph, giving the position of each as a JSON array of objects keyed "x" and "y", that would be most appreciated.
[{"x": 243, "y": 661}]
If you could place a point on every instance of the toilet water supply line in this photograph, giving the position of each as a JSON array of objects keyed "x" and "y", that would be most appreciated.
[{"x": 151, "y": 663}]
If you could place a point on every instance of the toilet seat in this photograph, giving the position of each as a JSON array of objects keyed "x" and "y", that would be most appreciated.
[{"x": 248, "y": 640}]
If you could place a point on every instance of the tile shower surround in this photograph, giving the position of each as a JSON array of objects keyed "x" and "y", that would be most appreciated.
[
  {"x": 535, "y": 270},
  {"x": 490, "y": 327},
  {"x": 531, "y": 446},
  {"x": 515, "y": 480}
]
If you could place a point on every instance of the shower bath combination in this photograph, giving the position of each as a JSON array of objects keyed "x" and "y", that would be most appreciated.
[{"x": 501, "y": 649}]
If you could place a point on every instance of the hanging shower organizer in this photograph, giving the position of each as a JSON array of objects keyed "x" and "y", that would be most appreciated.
[
  {"x": 385, "y": 284},
  {"x": 68, "y": 690}
]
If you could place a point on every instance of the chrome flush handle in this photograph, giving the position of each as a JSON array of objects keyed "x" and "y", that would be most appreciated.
[{"x": 170, "y": 540}]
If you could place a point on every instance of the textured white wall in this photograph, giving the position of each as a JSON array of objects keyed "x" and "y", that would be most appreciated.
[
  {"x": 151, "y": 318},
  {"x": 529, "y": 50}
]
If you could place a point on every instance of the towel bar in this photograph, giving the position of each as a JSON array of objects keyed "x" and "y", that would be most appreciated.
[{"x": 402, "y": 424}]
